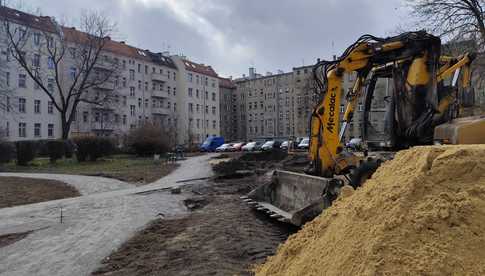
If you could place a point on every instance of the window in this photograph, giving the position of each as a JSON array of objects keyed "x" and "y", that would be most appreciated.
[
  {"x": 197, "y": 93},
  {"x": 197, "y": 108},
  {"x": 174, "y": 106},
  {"x": 72, "y": 52},
  {"x": 50, "y": 130},
  {"x": 22, "y": 80},
  {"x": 96, "y": 117},
  {"x": 132, "y": 91},
  {"x": 37, "y": 130},
  {"x": 214, "y": 110},
  {"x": 36, "y": 106},
  {"x": 72, "y": 72},
  {"x": 174, "y": 76},
  {"x": 190, "y": 92},
  {"x": 361, "y": 107},
  {"x": 124, "y": 82},
  {"x": 8, "y": 104},
  {"x": 154, "y": 86},
  {"x": 50, "y": 85},
  {"x": 132, "y": 74},
  {"x": 123, "y": 64},
  {"x": 36, "y": 39},
  {"x": 213, "y": 96},
  {"x": 22, "y": 105},
  {"x": 206, "y": 95},
  {"x": 139, "y": 102},
  {"x": 175, "y": 91},
  {"x": 146, "y": 69},
  {"x": 36, "y": 60},
  {"x": 117, "y": 118},
  {"x": 50, "y": 107},
  {"x": 191, "y": 107},
  {"x": 190, "y": 77},
  {"x": 85, "y": 116},
  {"x": 342, "y": 108},
  {"x": 198, "y": 123},
  {"x": 139, "y": 68},
  {"x": 139, "y": 84},
  {"x": 7, "y": 129},
  {"x": 50, "y": 63},
  {"x": 214, "y": 124},
  {"x": 124, "y": 119},
  {"x": 146, "y": 102},
  {"x": 132, "y": 110},
  {"x": 22, "y": 130},
  {"x": 7, "y": 78},
  {"x": 124, "y": 100},
  {"x": 146, "y": 86},
  {"x": 206, "y": 109}
]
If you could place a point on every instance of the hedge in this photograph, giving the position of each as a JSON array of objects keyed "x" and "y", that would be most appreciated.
[
  {"x": 26, "y": 152},
  {"x": 92, "y": 148},
  {"x": 7, "y": 152},
  {"x": 55, "y": 149}
]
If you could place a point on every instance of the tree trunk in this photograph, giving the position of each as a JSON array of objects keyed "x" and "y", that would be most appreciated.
[{"x": 66, "y": 126}]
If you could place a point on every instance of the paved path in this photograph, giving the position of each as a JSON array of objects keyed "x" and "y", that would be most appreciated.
[
  {"x": 84, "y": 184},
  {"x": 93, "y": 225}
]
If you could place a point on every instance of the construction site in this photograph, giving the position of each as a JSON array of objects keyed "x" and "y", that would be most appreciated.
[{"x": 389, "y": 178}]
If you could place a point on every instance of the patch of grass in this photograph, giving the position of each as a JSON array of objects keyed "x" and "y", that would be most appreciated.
[{"x": 123, "y": 167}]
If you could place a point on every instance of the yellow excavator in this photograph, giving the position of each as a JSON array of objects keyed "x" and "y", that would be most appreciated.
[{"x": 425, "y": 99}]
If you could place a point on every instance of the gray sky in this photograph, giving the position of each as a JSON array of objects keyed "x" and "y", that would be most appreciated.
[{"x": 232, "y": 35}]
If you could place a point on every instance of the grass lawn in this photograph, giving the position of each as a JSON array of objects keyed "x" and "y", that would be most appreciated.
[{"x": 123, "y": 167}]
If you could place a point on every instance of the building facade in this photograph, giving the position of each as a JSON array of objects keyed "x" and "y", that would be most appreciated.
[
  {"x": 228, "y": 109},
  {"x": 279, "y": 106},
  {"x": 146, "y": 87}
]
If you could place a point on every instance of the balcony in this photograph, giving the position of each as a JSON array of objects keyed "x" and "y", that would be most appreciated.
[
  {"x": 159, "y": 94},
  {"x": 160, "y": 111},
  {"x": 159, "y": 77},
  {"x": 107, "y": 85}
]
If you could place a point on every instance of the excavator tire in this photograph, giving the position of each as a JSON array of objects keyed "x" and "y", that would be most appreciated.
[{"x": 363, "y": 172}]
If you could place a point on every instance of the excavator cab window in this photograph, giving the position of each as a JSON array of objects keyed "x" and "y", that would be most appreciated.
[{"x": 378, "y": 104}]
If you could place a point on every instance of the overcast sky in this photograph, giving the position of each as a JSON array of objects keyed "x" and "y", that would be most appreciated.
[{"x": 232, "y": 35}]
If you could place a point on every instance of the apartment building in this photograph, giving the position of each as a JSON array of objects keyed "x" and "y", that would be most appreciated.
[
  {"x": 280, "y": 105},
  {"x": 199, "y": 108},
  {"x": 172, "y": 91}
]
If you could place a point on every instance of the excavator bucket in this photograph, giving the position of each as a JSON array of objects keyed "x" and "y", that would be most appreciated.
[{"x": 293, "y": 197}]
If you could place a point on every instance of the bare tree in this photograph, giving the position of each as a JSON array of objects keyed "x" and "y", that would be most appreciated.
[
  {"x": 77, "y": 61},
  {"x": 457, "y": 19}
]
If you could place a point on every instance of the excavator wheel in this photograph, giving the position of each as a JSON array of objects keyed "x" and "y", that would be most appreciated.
[{"x": 363, "y": 172}]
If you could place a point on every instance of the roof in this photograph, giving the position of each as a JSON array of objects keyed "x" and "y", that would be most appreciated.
[
  {"x": 226, "y": 83},
  {"x": 43, "y": 23},
  {"x": 199, "y": 68}
]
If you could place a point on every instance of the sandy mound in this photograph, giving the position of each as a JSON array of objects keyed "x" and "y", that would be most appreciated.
[{"x": 421, "y": 214}]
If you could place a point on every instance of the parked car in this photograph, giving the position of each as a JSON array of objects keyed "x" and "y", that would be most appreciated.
[
  {"x": 354, "y": 144},
  {"x": 211, "y": 143},
  {"x": 224, "y": 147},
  {"x": 304, "y": 144},
  {"x": 269, "y": 145},
  {"x": 238, "y": 146},
  {"x": 252, "y": 146},
  {"x": 284, "y": 145}
]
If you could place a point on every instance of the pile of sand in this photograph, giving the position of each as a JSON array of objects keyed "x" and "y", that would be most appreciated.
[{"x": 421, "y": 213}]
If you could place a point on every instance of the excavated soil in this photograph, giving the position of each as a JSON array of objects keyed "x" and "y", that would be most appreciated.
[{"x": 422, "y": 213}]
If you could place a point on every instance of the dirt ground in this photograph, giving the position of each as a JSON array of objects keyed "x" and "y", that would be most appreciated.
[
  {"x": 221, "y": 236},
  {"x": 18, "y": 191}
]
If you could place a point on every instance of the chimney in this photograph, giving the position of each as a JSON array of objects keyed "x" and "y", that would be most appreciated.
[
  {"x": 252, "y": 72},
  {"x": 122, "y": 42}
]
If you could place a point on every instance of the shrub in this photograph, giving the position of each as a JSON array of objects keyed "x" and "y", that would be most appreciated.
[
  {"x": 26, "y": 151},
  {"x": 92, "y": 148},
  {"x": 68, "y": 148},
  {"x": 55, "y": 149},
  {"x": 7, "y": 152},
  {"x": 148, "y": 139}
]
